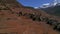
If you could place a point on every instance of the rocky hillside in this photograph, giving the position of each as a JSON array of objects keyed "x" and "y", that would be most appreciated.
[{"x": 17, "y": 19}]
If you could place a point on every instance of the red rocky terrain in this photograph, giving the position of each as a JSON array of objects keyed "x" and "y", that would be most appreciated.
[{"x": 11, "y": 22}]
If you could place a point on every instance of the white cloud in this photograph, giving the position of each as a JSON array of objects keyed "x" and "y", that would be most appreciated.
[
  {"x": 35, "y": 7},
  {"x": 42, "y": 6},
  {"x": 47, "y": 4},
  {"x": 57, "y": 1}
]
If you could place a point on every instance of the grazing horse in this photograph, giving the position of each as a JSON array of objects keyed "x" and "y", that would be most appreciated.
[
  {"x": 19, "y": 13},
  {"x": 31, "y": 16},
  {"x": 57, "y": 27},
  {"x": 45, "y": 19},
  {"x": 50, "y": 22},
  {"x": 34, "y": 17},
  {"x": 38, "y": 18},
  {"x": 55, "y": 22}
]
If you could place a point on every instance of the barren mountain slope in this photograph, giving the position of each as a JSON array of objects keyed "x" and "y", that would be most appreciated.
[{"x": 11, "y": 23}]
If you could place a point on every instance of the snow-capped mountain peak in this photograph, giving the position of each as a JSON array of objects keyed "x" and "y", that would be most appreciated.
[{"x": 46, "y": 5}]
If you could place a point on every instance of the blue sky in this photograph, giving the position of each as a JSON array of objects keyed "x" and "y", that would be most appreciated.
[{"x": 34, "y": 3}]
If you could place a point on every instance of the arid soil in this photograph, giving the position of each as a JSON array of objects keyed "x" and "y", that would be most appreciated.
[{"x": 11, "y": 23}]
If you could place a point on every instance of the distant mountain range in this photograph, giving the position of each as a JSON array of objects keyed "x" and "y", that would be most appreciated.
[{"x": 54, "y": 10}]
